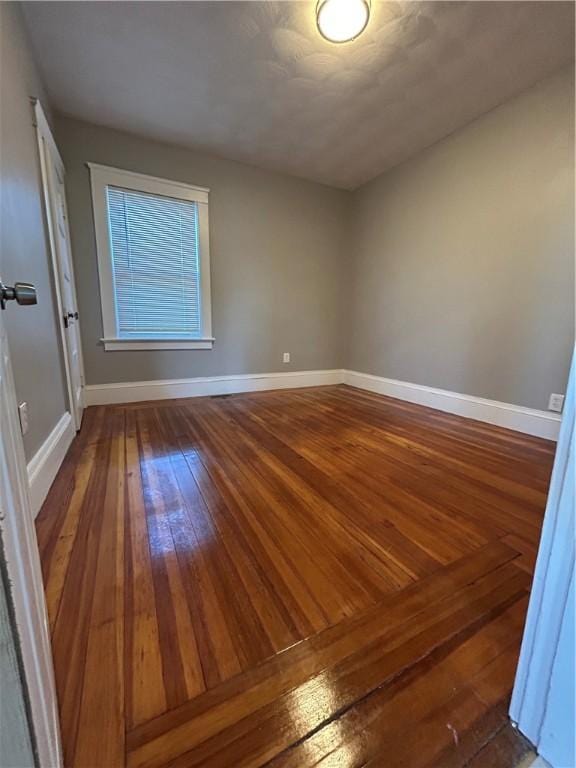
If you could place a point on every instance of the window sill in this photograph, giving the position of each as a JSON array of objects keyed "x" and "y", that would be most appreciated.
[{"x": 124, "y": 345}]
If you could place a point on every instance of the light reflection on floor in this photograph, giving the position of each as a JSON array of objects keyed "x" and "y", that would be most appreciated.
[{"x": 170, "y": 512}]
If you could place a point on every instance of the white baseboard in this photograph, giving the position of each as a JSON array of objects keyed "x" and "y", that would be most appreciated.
[
  {"x": 137, "y": 391},
  {"x": 531, "y": 421},
  {"x": 44, "y": 465},
  {"x": 539, "y": 423}
]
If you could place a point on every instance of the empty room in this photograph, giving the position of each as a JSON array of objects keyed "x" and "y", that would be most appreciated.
[{"x": 286, "y": 338}]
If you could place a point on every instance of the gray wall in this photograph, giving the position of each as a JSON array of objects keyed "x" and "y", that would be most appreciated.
[
  {"x": 454, "y": 270},
  {"x": 32, "y": 331},
  {"x": 464, "y": 257},
  {"x": 276, "y": 247}
]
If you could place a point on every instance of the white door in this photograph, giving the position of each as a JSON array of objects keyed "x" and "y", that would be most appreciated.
[
  {"x": 544, "y": 698},
  {"x": 53, "y": 175},
  {"x": 22, "y": 563}
]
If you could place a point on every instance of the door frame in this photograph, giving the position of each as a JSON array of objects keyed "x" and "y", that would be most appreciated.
[
  {"x": 550, "y": 589},
  {"x": 24, "y": 575},
  {"x": 44, "y": 134}
]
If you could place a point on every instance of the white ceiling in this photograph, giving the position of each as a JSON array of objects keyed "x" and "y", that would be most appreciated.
[{"x": 255, "y": 82}]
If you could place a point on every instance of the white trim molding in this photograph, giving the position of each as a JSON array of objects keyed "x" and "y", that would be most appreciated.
[
  {"x": 516, "y": 417},
  {"x": 46, "y": 462},
  {"x": 533, "y": 422},
  {"x": 137, "y": 391},
  {"x": 122, "y": 345},
  {"x": 151, "y": 183},
  {"x": 52, "y": 171},
  {"x": 101, "y": 178},
  {"x": 23, "y": 572}
]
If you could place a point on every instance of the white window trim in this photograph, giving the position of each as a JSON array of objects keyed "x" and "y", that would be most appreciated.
[{"x": 102, "y": 176}]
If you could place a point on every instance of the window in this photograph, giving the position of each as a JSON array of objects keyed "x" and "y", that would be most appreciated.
[{"x": 153, "y": 261}]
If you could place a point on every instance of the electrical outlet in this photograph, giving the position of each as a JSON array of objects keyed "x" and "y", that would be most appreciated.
[
  {"x": 556, "y": 403},
  {"x": 286, "y": 357},
  {"x": 23, "y": 414}
]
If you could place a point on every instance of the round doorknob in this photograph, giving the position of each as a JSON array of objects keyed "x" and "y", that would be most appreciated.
[
  {"x": 21, "y": 293},
  {"x": 25, "y": 294}
]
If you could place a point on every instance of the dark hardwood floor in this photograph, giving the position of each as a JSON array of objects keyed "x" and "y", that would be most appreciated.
[{"x": 298, "y": 578}]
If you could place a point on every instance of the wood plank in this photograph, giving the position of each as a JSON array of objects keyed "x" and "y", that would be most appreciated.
[
  {"x": 255, "y": 739},
  {"x": 315, "y": 507},
  {"x": 335, "y": 560},
  {"x": 100, "y": 737},
  {"x": 55, "y": 509},
  {"x": 62, "y": 545},
  {"x": 278, "y": 532},
  {"x": 182, "y": 670},
  {"x": 145, "y": 694},
  {"x": 528, "y": 550},
  {"x": 359, "y": 501},
  {"x": 283, "y": 672},
  {"x": 73, "y": 622},
  {"x": 358, "y": 655},
  {"x": 506, "y": 749},
  {"x": 239, "y": 579},
  {"x": 430, "y": 695}
]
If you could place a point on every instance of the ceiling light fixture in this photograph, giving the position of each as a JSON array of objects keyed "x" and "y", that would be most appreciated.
[{"x": 342, "y": 20}]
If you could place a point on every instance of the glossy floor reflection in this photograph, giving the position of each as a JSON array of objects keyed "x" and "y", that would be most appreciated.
[{"x": 310, "y": 577}]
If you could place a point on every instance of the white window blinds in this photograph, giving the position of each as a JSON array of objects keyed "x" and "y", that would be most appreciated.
[{"x": 154, "y": 244}]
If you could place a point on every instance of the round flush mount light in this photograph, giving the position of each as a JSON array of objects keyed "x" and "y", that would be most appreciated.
[{"x": 342, "y": 20}]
